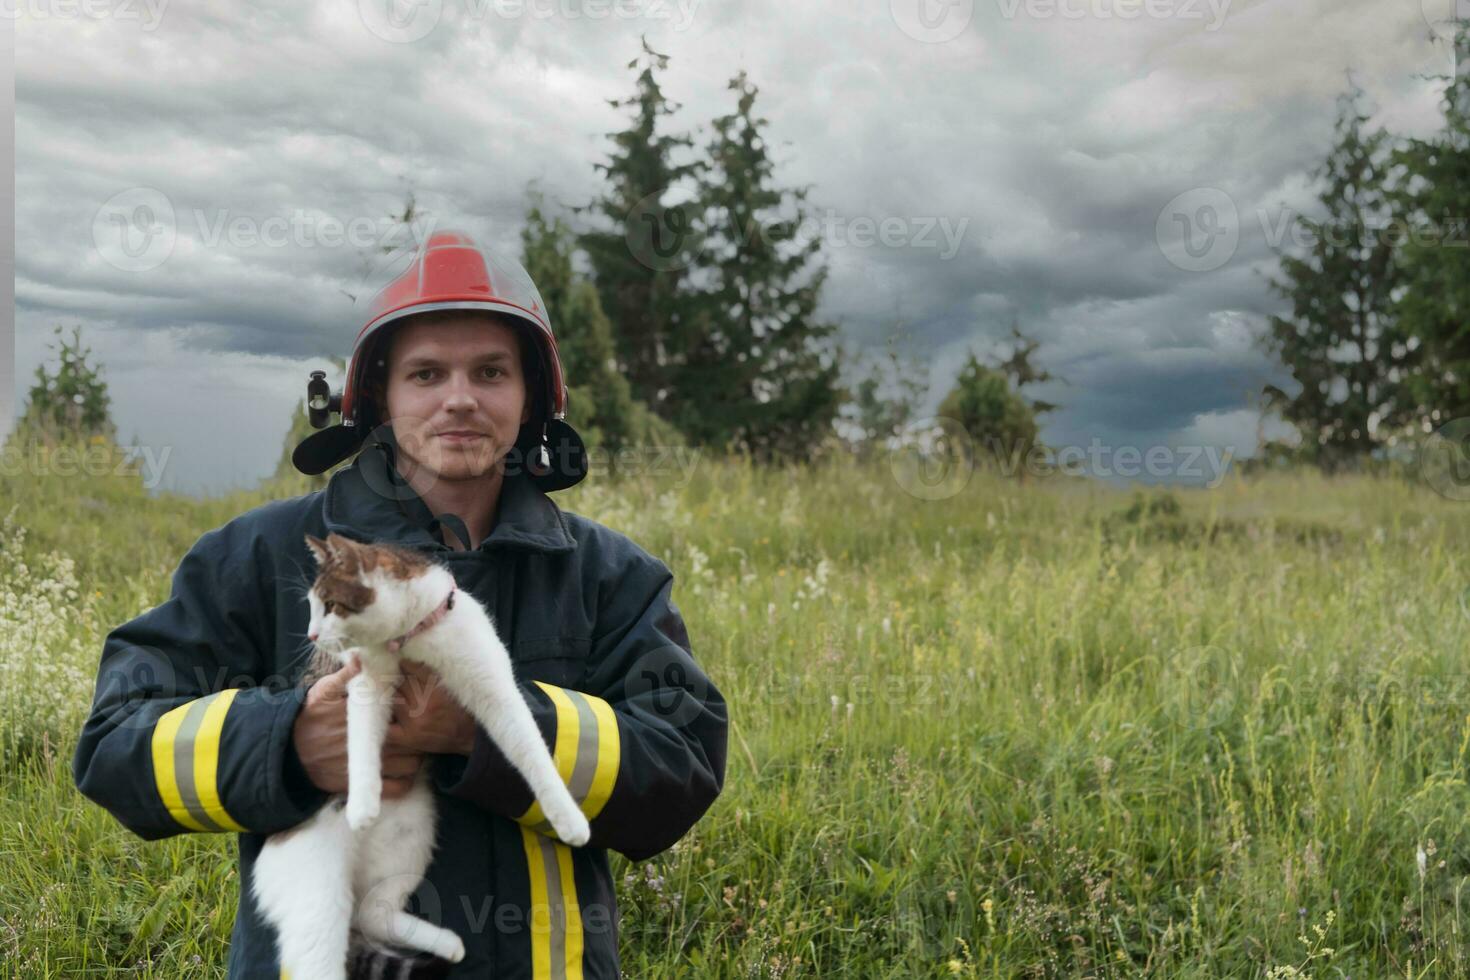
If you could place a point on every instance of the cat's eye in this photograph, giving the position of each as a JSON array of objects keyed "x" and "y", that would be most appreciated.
[{"x": 328, "y": 606}]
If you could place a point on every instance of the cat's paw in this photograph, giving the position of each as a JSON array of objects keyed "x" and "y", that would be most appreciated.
[
  {"x": 455, "y": 952},
  {"x": 572, "y": 827},
  {"x": 362, "y": 809}
]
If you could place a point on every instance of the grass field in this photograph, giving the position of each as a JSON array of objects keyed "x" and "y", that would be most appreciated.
[{"x": 1029, "y": 730}]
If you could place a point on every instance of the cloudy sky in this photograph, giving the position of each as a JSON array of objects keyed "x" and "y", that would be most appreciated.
[{"x": 197, "y": 184}]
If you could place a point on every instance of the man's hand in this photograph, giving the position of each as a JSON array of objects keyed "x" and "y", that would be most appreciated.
[
  {"x": 427, "y": 718},
  {"x": 320, "y": 737}
]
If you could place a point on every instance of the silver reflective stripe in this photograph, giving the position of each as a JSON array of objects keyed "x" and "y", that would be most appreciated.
[
  {"x": 585, "y": 768},
  {"x": 184, "y": 763},
  {"x": 556, "y": 911}
]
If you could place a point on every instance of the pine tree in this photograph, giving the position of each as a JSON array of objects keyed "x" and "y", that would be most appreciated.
[
  {"x": 70, "y": 403},
  {"x": 1341, "y": 341},
  {"x": 756, "y": 370},
  {"x": 640, "y": 262},
  {"x": 1434, "y": 309}
]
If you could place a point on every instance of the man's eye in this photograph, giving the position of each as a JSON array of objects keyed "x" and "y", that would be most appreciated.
[
  {"x": 419, "y": 374},
  {"x": 493, "y": 371}
]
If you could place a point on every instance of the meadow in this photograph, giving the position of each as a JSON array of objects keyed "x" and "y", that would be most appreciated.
[{"x": 1047, "y": 729}]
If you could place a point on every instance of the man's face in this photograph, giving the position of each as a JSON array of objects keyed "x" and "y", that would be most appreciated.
[{"x": 456, "y": 393}]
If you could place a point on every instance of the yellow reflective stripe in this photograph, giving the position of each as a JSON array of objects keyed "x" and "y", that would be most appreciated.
[
  {"x": 540, "y": 931},
  {"x": 573, "y": 918},
  {"x": 206, "y": 759},
  {"x": 164, "y": 732},
  {"x": 185, "y": 749},
  {"x": 609, "y": 756},
  {"x": 590, "y": 779},
  {"x": 565, "y": 750},
  {"x": 555, "y": 915}
]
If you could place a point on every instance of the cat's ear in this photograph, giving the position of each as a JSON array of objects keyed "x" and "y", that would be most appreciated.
[
  {"x": 336, "y": 542},
  {"x": 320, "y": 548}
]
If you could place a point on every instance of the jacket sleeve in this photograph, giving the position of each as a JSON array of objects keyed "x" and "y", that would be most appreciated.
[
  {"x": 181, "y": 735},
  {"x": 641, "y": 745}
]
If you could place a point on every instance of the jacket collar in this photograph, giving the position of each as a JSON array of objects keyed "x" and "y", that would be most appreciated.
[{"x": 370, "y": 501}]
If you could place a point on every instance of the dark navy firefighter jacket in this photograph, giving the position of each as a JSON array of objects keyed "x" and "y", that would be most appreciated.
[{"x": 190, "y": 726}]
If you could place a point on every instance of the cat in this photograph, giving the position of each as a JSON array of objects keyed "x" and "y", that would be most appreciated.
[{"x": 354, "y": 863}]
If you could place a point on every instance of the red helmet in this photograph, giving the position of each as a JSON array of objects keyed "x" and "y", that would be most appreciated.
[{"x": 450, "y": 272}]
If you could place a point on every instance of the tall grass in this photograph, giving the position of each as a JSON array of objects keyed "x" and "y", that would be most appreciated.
[{"x": 1041, "y": 730}]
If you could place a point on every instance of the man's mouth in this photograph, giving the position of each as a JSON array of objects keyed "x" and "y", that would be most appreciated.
[{"x": 461, "y": 436}]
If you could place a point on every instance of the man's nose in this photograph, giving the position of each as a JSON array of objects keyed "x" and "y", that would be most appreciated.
[{"x": 459, "y": 394}]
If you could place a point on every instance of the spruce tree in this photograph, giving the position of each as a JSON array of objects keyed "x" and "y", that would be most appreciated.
[
  {"x": 1340, "y": 340},
  {"x": 599, "y": 403},
  {"x": 640, "y": 259},
  {"x": 756, "y": 370},
  {"x": 1434, "y": 309}
]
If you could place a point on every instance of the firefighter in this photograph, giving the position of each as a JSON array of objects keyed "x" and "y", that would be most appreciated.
[{"x": 200, "y": 721}]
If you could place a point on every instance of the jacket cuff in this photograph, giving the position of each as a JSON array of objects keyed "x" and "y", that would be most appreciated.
[{"x": 288, "y": 796}]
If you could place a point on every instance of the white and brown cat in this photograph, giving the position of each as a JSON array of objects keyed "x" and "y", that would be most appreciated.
[{"x": 353, "y": 866}]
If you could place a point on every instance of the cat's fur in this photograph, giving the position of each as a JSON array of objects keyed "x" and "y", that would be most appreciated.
[{"x": 353, "y": 866}]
